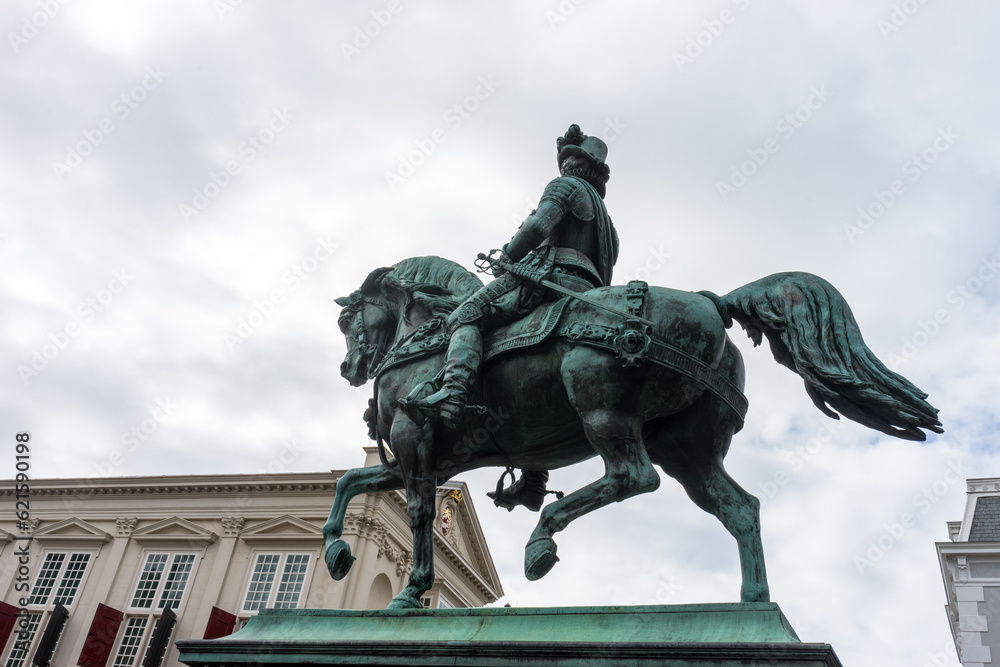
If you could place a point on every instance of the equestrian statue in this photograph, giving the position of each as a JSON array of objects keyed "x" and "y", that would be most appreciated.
[{"x": 558, "y": 365}]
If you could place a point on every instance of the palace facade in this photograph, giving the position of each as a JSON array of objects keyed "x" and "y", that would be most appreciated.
[{"x": 115, "y": 566}]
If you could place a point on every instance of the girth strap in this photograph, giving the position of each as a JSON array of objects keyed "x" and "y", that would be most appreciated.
[{"x": 632, "y": 345}]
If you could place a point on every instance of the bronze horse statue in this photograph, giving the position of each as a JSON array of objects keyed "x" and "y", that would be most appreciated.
[{"x": 663, "y": 389}]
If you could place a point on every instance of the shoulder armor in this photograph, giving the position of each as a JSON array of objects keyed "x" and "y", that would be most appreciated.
[{"x": 570, "y": 195}]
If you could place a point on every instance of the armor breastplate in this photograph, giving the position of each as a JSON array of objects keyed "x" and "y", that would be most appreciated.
[{"x": 580, "y": 229}]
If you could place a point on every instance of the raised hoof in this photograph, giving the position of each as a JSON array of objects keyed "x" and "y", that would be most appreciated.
[
  {"x": 755, "y": 593},
  {"x": 539, "y": 557},
  {"x": 404, "y": 601},
  {"x": 338, "y": 558}
]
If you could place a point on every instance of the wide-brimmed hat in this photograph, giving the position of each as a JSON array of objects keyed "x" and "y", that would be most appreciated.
[{"x": 575, "y": 142}]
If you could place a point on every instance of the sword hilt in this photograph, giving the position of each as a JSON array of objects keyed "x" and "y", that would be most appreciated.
[{"x": 490, "y": 264}]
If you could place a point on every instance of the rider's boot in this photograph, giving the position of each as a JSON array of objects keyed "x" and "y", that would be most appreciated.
[
  {"x": 528, "y": 491},
  {"x": 465, "y": 352}
]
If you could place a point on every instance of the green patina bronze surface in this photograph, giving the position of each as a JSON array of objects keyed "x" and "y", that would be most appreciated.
[
  {"x": 705, "y": 634},
  {"x": 644, "y": 377},
  {"x": 594, "y": 382}
]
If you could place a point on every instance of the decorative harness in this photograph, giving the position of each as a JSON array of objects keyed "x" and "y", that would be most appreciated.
[
  {"x": 631, "y": 342},
  {"x": 375, "y": 356}
]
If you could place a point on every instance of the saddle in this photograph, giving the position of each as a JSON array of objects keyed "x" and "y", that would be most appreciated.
[
  {"x": 534, "y": 329},
  {"x": 629, "y": 339}
]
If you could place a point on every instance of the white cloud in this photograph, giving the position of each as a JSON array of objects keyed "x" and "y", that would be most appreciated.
[{"x": 324, "y": 175}]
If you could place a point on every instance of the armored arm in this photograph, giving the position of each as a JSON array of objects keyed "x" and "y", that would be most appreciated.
[{"x": 536, "y": 228}]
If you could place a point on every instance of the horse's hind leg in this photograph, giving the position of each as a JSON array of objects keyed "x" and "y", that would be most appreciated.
[
  {"x": 617, "y": 437},
  {"x": 692, "y": 454},
  {"x": 372, "y": 479},
  {"x": 739, "y": 512}
]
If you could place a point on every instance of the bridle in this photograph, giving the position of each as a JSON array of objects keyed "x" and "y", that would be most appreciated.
[{"x": 372, "y": 353}]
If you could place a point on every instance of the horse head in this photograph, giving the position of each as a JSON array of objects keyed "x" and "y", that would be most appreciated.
[
  {"x": 391, "y": 302},
  {"x": 368, "y": 320}
]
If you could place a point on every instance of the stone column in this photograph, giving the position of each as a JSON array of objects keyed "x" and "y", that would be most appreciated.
[
  {"x": 231, "y": 527},
  {"x": 88, "y": 606}
]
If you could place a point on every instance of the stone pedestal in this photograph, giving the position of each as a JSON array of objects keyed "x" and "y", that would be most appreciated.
[{"x": 747, "y": 634}]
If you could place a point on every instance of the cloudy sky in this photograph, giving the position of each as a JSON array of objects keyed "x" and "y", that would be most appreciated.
[{"x": 187, "y": 186}]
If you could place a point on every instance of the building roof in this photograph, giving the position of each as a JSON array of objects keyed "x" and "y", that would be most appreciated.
[{"x": 986, "y": 520}]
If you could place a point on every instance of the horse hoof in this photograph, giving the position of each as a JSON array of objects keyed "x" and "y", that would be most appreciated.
[
  {"x": 755, "y": 593},
  {"x": 539, "y": 557},
  {"x": 338, "y": 558},
  {"x": 404, "y": 601}
]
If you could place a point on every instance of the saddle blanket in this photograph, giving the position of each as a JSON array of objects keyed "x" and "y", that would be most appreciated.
[{"x": 528, "y": 331}]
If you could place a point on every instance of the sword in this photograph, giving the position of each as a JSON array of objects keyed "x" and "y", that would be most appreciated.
[{"x": 488, "y": 263}]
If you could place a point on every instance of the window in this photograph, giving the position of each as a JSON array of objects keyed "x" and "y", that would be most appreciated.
[
  {"x": 290, "y": 587},
  {"x": 160, "y": 585},
  {"x": 57, "y": 581},
  {"x": 132, "y": 638},
  {"x": 66, "y": 568},
  {"x": 262, "y": 591},
  {"x": 149, "y": 581},
  {"x": 168, "y": 590},
  {"x": 19, "y": 649},
  {"x": 173, "y": 589},
  {"x": 71, "y": 577}
]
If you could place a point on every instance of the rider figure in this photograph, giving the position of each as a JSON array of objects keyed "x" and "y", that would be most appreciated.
[{"x": 568, "y": 239}]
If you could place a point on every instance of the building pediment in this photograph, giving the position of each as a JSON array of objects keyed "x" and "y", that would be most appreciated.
[
  {"x": 284, "y": 528},
  {"x": 462, "y": 540},
  {"x": 173, "y": 532},
  {"x": 72, "y": 531}
]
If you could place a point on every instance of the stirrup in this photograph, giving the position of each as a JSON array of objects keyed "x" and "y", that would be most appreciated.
[
  {"x": 417, "y": 409},
  {"x": 436, "y": 406},
  {"x": 519, "y": 494}
]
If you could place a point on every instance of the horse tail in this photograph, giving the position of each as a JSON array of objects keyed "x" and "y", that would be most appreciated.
[{"x": 812, "y": 331}]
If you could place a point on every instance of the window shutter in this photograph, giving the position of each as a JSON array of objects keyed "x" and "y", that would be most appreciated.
[
  {"x": 53, "y": 630},
  {"x": 220, "y": 624},
  {"x": 8, "y": 619},
  {"x": 161, "y": 636},
  {"x": 101, "y": 638}
]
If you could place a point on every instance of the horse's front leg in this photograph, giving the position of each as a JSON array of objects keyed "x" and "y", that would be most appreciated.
[
  {"x": 414, "y": 449},
  {"x": 373, "y": 479}
]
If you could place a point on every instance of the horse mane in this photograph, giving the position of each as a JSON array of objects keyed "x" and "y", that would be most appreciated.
[
  {"x": 440, "y": 272},
  {"x": 439, "y": 285}
]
